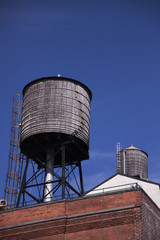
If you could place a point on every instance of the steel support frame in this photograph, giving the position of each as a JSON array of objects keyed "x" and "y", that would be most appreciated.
[{"x": 58, "y": 180}]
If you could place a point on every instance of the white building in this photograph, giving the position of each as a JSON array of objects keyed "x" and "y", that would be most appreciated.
[{"x": 120, "y": 182}]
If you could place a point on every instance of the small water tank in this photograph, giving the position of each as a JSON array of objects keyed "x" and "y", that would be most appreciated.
[
  {"x": 133, "y": 162},
  {"x": 56, "y": 111}
]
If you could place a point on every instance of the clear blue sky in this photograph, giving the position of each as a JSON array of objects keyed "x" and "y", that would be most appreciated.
[{"x": 112, "y": 46}]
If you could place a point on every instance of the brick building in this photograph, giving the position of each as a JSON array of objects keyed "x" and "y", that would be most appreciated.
[
  {"x": 55, "y": 134},
  {"x": 127, "y": 213}
]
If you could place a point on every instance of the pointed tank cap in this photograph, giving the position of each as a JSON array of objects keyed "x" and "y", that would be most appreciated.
[{"x": 132, "y": 147}]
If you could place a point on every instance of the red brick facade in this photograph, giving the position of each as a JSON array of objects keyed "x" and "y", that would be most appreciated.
[
  {"x": 150, "y": 219},
  {"x": 113, "y": 217}
]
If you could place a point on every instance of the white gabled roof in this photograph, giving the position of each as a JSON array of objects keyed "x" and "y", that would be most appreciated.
[{"x": 122, "y": 182}]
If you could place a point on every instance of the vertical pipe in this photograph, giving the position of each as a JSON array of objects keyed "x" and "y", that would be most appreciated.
[
  {"x": 49, "y": 176},
  {"x": 124, "y": 162},
  {"x": 63, "y": 172}
]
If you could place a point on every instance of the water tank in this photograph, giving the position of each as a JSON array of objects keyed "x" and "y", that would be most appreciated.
[
  {"x": 56, "y": 112},
  {"x": 133, "y": 162}
]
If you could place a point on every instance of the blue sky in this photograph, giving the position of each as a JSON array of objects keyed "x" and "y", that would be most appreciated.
[{"x": 112, "y": 46}]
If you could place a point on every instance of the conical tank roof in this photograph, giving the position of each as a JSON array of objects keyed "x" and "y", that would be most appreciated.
[{"x": 132, "y": 147}]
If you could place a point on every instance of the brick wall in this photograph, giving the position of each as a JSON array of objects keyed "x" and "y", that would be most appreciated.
[
  {"x": 150, "y": 220},
  {"x": 115, "y": 216},
  {"x": 29, "y": 214}
]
